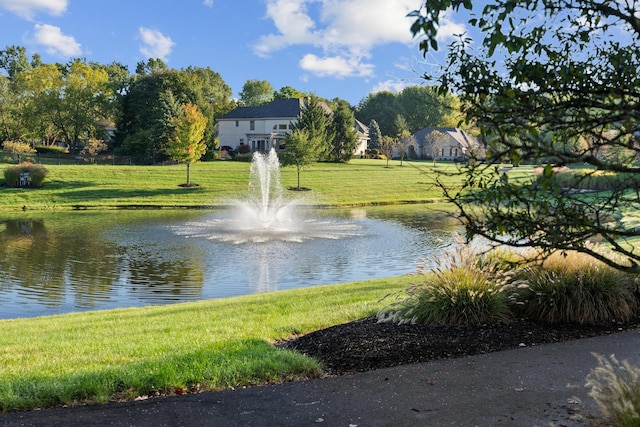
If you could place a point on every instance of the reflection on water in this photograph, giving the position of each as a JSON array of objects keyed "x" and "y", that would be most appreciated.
[{"x": 74, "y": 261}]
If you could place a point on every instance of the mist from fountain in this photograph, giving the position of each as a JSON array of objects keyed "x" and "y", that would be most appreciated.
[
  {"x": 265, "y": 215},
  {"x": 264, "y": 207}
]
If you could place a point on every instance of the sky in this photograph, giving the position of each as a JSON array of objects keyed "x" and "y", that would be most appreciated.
[{"x": 334, "y": 48}]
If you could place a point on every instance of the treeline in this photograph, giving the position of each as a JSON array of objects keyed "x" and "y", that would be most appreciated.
[{"x": 79, "y": 101}]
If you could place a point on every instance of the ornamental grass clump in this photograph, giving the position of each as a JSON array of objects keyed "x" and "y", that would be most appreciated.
[
  {"x": 466, "y": 289},
  {"x": 572, "y": 287},
  {"x": 37, "y": 174},
  {"x": 615, "y": 386}
]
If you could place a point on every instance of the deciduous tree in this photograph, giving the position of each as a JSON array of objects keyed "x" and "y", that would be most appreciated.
[
  {"x": 546, "y": 77},
  {"x": 287, "y": 92},
  {"x": 255, "y": 93},
  {"x": 404, "y": 138},
  {"x": 18, "y": 149},
  {"x": 387, "y": 146},
  {"x": 92, "y": 148},
  {"x": 186, "y": 143},
  {"x": 382, "y": 107},
  {"x": 301, "y": 150}
]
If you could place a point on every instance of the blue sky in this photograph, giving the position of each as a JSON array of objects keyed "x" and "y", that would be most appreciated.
[{"x": 333, "y": 48}]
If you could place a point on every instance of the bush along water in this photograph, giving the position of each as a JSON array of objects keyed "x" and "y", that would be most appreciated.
[
  {"x": 469, "y": 288},
  {"x": 25, "y": 175},
  {"x": 465, "y": 289},
  {"x": 571, "y": 287}
]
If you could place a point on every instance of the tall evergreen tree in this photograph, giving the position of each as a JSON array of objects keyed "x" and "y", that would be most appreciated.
[
  {"x": 375, "y": 136},
  {"x": 316, "y": 120},
  {"x": 344, "y": 135}
]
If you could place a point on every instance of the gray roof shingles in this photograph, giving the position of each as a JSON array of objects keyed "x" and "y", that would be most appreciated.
[{"x": 280, "y": 108}]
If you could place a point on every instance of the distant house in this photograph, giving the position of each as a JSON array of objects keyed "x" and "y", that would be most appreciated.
[
  {"x": 362, "y": 142},
  {"x": 445, "y": 144},
  {"x": 265, "y": 127}
]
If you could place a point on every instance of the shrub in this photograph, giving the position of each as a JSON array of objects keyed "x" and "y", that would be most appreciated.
[
  {"x": 37, "y": 174},
  {"x": 466, "y": 289},
  {"x": 576, "y": 288},
  {"x": 244, "y": 149},
  {"x": 248, "y": 157},
  {"x": 51, "y": 149},
  {"x": 585, "y": 179},
  {"x": 615, "y": 386},
  {"x": 17, "y": 149}
]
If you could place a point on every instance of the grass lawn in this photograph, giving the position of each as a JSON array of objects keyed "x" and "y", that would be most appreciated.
[
  {"x": 360, "y": 182},
  {"x": 120, "y": 354}
]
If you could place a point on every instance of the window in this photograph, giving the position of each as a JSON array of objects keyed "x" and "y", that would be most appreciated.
[
  {"x": 237, "y": 123},
  {"x": 282, "y": 127},
  {"x": 252, "y": 125}
]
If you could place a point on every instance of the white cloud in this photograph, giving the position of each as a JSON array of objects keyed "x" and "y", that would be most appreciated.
[
  {"x": 295, "y": 26},
  {"x": 336, "y": 66},
  {"x": 346, "y": 31},
  {"x": 208, "y": 3},
  {"x": 155, "y": 44},
  {"x": 395, "y": 86},
  {"x": 55, "y": 42},
  {"x": 28, "y": 8}
]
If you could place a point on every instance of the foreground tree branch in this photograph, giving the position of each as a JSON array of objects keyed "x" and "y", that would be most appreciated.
[{"x": 552, "y": 83}]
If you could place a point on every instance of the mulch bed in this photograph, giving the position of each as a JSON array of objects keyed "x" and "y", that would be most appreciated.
[{"x": 364, "y": 345}]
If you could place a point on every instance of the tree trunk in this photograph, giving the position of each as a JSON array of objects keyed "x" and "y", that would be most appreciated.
[{"x": 188, "y": 173}]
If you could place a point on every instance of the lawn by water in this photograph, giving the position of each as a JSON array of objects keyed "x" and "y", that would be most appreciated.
[{"x": 359, "y": 182}]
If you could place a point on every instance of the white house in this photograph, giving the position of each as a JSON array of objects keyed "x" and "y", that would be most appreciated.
[
  {"x": 363, "y": 139},
  {"x": 265, "y": 127},
  {"x": 445, "y": 143}
]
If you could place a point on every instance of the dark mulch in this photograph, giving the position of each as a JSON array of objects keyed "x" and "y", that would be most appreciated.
[{"x": 365, "y": 345}]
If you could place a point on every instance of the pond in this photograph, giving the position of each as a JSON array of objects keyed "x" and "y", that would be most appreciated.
[{"x": 61, "y": 262}]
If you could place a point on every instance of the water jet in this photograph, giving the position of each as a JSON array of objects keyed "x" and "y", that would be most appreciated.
[{"x": 265, "y": 214}]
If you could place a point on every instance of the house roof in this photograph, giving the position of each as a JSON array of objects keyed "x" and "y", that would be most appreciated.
[
  {"x": 361, "y": 127},
  {"x": 465, "y": 140},
  {"x": 279, "y": 108}
]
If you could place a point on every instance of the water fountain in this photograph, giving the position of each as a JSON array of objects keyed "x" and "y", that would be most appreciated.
[
  {"x": 266, "y": 215},
  {"x": 264, "y": 209}
]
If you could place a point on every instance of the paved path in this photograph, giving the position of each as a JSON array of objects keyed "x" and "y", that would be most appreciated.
[{"x": 534, "y": 386}]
